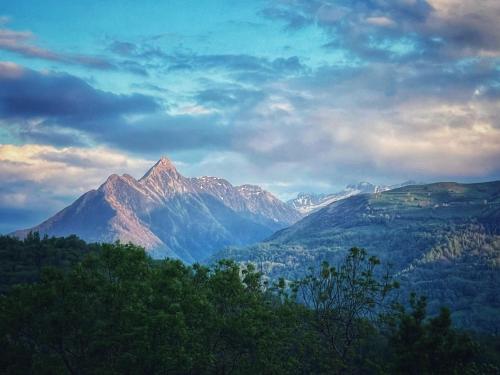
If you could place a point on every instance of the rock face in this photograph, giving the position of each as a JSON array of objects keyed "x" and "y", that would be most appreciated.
[
  {"x": 307, "y": 203},
  {"x": 172, "y": 215}
]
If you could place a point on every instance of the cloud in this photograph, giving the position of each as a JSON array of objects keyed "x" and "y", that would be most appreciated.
[
  {"x": 240, "y": 66},
  {"x": 63, "y": 110},
  {"x": 437, "y": 29},
  {"x": 380, "y": 122},
  {"x": 468, "y": 26},
  {"x": 229, "y": 96},
  {"x": 169, "y": 133},
  {"x": 81, "y": 169},
  {"x": 60, "y": 99},
  {"x": 10, "y": 70},
  {"x": 22, "y": 43},
  {"x": 143, "y": 50},
  {"x": 416, "y": 97},
  {"x": 381, "y": 21},
  {"x": 38, "y": 180}
]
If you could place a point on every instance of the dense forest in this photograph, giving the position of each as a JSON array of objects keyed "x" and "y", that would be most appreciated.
[{"x": 67, "y": 307}]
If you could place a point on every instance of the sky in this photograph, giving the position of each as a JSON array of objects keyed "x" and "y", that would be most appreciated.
[{"x": 292, "y": 95}]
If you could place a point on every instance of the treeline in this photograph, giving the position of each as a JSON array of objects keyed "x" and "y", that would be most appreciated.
[
  {"x": 110, "y": 309},
  {"x": 22, "y": 261}
]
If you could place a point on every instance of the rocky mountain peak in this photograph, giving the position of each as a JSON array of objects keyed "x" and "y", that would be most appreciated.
[
  {"x": 164, "y": 166},
  {"x": 163, "y": 179},
  {"x": 172, "y": 215},
  {"x": 112, "y": 182}
]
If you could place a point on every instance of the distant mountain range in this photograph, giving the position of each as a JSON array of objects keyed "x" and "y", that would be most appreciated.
[
  {"x": 442, "y": 240},
  {"x": 172, "y": 215},
  {"x": 306, "y": 203}
]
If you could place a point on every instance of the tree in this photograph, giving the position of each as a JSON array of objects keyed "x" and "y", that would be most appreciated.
[
  {"x": 120, "y": 312},
  {"x": 344, "y": 299},
  {"x": 429, "y": 346}
]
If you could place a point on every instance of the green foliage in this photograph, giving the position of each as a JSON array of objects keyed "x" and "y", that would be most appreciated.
[
  {"x": 344, "y": 301},
  {"x": 119, "y": 312},
  {"x": 429, "y": 346},
  {"x": 442, "y": 239},
  {"x": 21, "y": 261}
]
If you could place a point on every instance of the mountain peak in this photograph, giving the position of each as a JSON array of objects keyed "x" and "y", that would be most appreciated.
[
  {"x": 164, "y": 163},
  {"x": 162, "y": 166},
  {"x": 172, "y": 215}
]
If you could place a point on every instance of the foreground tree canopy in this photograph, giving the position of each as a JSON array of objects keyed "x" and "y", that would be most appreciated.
[{"x": 71, "y": 308}]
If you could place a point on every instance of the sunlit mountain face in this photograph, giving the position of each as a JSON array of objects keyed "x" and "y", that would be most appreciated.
[
  {"x": 171, "y": 215},
  {"x": 293, "y": 96}
]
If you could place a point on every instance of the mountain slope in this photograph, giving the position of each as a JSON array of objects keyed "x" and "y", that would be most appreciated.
[
  {"x": 307, "y": 203},
  {"x": 443, "y": 240},
  {"x": 171, "y": 215}
]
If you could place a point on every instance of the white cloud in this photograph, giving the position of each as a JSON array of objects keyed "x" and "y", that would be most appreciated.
[
  {"x": 61, "y": 173},
  {"x": 10, "y": 70},
  {"x": 381, "y": 21}
]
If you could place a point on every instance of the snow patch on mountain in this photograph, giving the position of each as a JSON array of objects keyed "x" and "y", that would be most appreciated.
[{"x": 307, "y": 203}]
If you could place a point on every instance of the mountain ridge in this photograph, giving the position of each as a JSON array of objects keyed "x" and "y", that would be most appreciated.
[
  {"x": 307, "y": 203},
  {"x": 169, "y": 214}
]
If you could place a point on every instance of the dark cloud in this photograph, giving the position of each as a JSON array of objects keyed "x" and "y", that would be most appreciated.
[
  {"x": 433, "y": 29},
  {"x": 51, "y": 135},
  {"x": 56, "y": 109},
  {"x": 65, "y": 98}
]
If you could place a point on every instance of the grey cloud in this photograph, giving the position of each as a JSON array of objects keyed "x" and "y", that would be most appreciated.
[
  {"x": 464, "y": 29},
  {"x": 58, "y": 108},
  {"x": 61, "y": 96},
  {"x": 148, "y": 57}
]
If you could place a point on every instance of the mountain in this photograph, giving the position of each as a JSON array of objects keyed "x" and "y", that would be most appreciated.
[
  {"x": 441, "y": 240},
  {"x": 306, "y": 203},
  {"x": 171, "y": 215}
]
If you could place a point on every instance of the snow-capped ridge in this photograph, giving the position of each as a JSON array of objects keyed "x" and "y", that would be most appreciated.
[{"x": 307, "y": 203}]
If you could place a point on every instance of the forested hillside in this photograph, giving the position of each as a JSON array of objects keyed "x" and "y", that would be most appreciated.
[
  {"x": 120, "y": 312},
  {"x": 442, "y": 240}
]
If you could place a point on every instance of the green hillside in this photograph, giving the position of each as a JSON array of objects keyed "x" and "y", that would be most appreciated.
[{"x": 442, "y": 240}]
